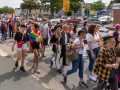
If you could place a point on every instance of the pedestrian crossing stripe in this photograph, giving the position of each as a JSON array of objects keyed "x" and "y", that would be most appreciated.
[{"x": 2, "y": 53}]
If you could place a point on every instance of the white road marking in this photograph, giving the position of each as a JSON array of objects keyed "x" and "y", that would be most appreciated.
[{"x": 2, "y": 53}]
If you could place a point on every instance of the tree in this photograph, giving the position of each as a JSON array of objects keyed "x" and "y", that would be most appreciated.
[
  {"x": 97, "y": 6},
  {"x": 29, "y": 5},
  {"x": 53, "y": 5},
  {"x": 116, "y": 1},
  {"x": 69, "y": 13},
  {"x": 87, "y": 11},
  {"x": 6, "y": 10}
]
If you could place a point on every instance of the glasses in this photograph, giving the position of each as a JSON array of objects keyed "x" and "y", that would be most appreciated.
[{"x": 113, "y": 41}]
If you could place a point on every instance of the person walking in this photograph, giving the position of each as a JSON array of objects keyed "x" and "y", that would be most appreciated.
[
  {"x": 79, "y": 63},
  {"x": 56, "y": 41},
  {"x": 10, "y": 30},
  {"x": 116, "y": 34},
  {"x": 73, "y": 34},
  {"x": 93, "y": 39},
  {"x": 35, "y": 46},
  {"x": 21, "y": 39},
  {"x": 64, "y": 41},
  {"x": 106, "y": 65},
  {"x": 44, "y": 30},
  {"x": 4, "y": 31}
]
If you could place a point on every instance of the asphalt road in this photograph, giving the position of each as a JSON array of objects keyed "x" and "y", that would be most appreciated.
[
  {"x": 13, "y": 79},
  {"x": 16, "y": 80}
]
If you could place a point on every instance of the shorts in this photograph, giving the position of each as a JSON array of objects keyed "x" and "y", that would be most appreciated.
[
  {"x": 24, "y": 47},
  {"x": 35, "y": 45},
  {"x": 45, "y": 41}
]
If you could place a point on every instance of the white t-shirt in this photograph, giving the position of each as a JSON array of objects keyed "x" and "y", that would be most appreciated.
[
  {"x": 94, "y": 39},
  {"x": 73, "y": 35},
  {"x": 78, "y": 42},
  {"x": 66, "y": 38}
]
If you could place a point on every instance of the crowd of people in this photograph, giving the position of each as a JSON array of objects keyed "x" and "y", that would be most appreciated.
[{"x": 103, "y": 61}]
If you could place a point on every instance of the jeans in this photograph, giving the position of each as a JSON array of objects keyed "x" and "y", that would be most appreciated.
[
  {"x": 91, "y": 60},
  {"x": 3, "y": 36},
  {"x": 79, "y": 63},
  {"x": 113, "y": 82},
  {"x": 11, "y": 32}
]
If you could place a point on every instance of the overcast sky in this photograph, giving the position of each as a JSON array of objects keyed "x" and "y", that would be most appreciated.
[{"x": 16, "y": 3}]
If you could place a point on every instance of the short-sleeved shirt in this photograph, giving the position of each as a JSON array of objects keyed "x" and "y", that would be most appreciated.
[
  {"x": 44, "y": 30},
  {"x": 73, "y": 35},
  {"x": 18, "y": 37},
  {"x": 94, "y": 39},
  {"x": 78, "y": 42}
]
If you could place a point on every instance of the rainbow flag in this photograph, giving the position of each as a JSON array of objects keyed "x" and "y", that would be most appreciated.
[
  {"x": 13, "y": 19},
  {"x": 33, "y": 36}
]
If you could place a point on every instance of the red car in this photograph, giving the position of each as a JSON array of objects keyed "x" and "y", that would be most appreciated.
[{"x": 74, "y": 20}]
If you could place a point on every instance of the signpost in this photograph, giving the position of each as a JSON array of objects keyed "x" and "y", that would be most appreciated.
[{"x": 66, "y": 5}]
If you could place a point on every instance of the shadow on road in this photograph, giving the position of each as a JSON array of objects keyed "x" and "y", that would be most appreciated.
[{"x": 16, "y": 75}]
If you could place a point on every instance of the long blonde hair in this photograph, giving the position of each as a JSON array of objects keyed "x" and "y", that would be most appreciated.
[{"x": 57, "y": 33}]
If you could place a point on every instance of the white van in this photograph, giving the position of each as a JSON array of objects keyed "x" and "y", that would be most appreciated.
[{"x": 105, "y": 19}]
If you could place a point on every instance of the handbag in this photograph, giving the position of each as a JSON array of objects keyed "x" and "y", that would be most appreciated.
[
  {"x": 19, "y": 44},
  {"x": 71, "y": 54}
]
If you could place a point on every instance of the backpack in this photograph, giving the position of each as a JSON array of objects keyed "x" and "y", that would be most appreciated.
[
  {"x": 3, "y": 28},
  {"x": 71, "y": 54}
]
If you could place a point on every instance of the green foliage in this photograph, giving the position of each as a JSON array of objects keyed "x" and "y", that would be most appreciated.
[
  {"x": 98, "y": 6},
  {"x": 87, "y": 11},
  {"x": 75, "y": 5},
  {"x": 116, "y": 1},
  {"x": 69, "y": 13},
  {"x": 29, "y": 5},
  {"x": 6, "y": 10}
]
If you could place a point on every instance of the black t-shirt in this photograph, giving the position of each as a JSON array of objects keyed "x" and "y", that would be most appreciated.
[{"x": 18, "y": 37}]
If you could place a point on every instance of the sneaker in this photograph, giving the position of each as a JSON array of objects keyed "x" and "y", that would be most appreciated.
[
  {"x": 26, "y": 54},
  {"x": 51, "y": 62},
  {"x": 92, "y": 78},
  {"x": 83, "y": 84},
  {"x": 33, "y": 66},
  {"x": 64, "y": 78},
  {"x": 59, "y": 71},
  {"x": 22, "y": 69},
  {"x": 16, "y": 64},
  {"x": 43, "y": 56},
  {"x": 37, "y": 70},
  {"x": 107, "y": 87}
]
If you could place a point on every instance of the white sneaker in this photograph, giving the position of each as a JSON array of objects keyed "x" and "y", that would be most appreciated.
[
  {"x": 33, "y": 66},
  {"x": 37, "y": 70},
  {"x": 92, "y": 78}
]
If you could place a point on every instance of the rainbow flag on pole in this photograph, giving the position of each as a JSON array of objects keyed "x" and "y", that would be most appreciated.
[{"x": 13, "y": 19}]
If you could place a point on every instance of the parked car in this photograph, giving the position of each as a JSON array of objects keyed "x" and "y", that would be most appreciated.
[
  {"x": 103, "y": 30},
  {"x": 54, "y": 22},
  {"x": 105, "y": 19},
  {"x": 94, "y": 20},
  {"x": 80, "y": 26},
  {"x": 74, "y": 20}
]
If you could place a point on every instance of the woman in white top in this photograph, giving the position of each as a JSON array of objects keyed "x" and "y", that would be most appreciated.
[
  {"x": 93, "y": 39},
  {"x": 73, "y": 34},
  {"x": 79, "y": 63}
]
